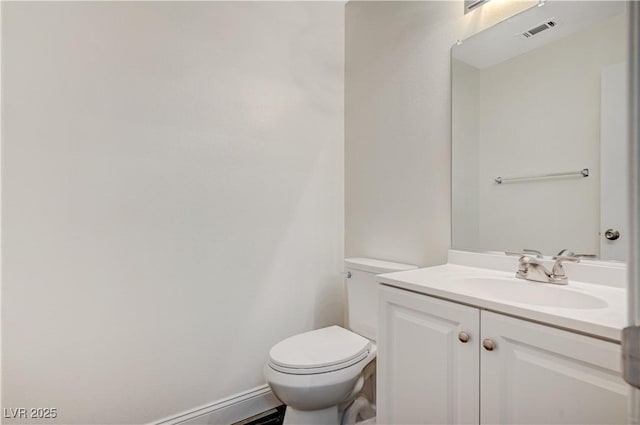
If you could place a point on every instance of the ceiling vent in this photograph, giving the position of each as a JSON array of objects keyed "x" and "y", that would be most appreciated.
[
  {"x": 470, "y": 5},
  {"x": 550, "y": 23}
]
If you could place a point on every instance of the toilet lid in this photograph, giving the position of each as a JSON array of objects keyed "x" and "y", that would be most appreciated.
[{"x": 322, "y": 348}]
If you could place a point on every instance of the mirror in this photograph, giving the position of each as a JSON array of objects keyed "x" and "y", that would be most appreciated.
[{"x": 539, "y": 132}]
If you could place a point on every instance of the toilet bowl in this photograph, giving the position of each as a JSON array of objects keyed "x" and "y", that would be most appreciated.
[
  {"x": 317, "y": 372},
  {"x": 320, "y": 374}
]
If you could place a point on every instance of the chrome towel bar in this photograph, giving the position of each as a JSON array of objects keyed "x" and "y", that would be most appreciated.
[{"x": 584, "y": 173}]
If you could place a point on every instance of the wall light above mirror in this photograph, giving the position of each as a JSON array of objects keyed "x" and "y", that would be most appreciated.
[{"x": 537, "y": 100}]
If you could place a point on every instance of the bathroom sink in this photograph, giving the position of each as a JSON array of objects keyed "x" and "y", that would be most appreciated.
[{"x": 526, "y": 292}]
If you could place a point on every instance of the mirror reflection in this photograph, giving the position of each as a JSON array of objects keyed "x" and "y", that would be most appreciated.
[{"x": 539, "y": 132}]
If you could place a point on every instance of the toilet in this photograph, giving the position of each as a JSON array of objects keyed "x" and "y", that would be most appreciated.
[{"x": 320, "y": 374}]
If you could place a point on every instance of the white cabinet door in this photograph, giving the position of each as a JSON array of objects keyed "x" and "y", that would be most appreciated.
[
  {"x": 426, "y": 375},
  {"x": 543, "y": 375}
]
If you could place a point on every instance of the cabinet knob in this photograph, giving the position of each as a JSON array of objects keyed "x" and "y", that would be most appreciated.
[
  {"x": 463, "y": 337},
  {"x": 488, "y": 344}
]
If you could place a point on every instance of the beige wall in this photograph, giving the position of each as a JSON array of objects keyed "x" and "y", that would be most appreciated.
[
  {"x": 172, "y": 199},
  {"x": 398, "y": 124}
]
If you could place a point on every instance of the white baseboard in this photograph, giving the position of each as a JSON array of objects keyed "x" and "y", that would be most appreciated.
[{"x": 228, "y": 410}]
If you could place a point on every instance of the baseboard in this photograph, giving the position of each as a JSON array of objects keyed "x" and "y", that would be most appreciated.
[{"x": 228, "y": 410}]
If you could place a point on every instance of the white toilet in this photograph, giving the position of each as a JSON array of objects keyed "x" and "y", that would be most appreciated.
[{"x": 319, "y": 374}]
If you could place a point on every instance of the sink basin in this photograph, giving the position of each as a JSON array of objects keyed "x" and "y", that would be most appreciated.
[{"x": 526, "y": 292}]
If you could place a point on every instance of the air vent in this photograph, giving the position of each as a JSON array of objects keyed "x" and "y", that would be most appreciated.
[
  {"x": 540, "y": 28},
  {"x": 470, "y": 5}
]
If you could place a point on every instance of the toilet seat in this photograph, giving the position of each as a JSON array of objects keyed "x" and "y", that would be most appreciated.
[
  {"x": 319, "y": 351},
  {"x": 316, "y": 370}
]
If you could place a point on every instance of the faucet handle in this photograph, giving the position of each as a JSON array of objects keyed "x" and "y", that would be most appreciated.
[
  {"x": 537, "y": 253},
  {"x": 523, "y": 262},
  {"x": 586, "y": 256},
  {"x": 571, "y": 259},
  {"x": 575, "y": 258},
  {"x": 558, "y": 269},
  {"x": 524, "y": 258},
  {"x": 566, "y": 253}
]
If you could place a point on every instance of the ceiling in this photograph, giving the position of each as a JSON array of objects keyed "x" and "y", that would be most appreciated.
[{"x": 505, "y": 40}]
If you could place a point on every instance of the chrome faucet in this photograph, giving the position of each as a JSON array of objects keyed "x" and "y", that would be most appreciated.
[{"x": 531, "y": 268}]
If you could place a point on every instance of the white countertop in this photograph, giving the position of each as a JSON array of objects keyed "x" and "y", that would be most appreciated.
[{"x": 455, "y": 282}]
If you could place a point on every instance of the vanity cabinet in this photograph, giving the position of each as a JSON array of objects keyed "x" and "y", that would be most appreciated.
[{"x": 507, "y": 371}]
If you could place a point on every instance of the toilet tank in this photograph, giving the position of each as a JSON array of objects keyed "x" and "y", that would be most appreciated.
[{"x": 362, "y": 292}]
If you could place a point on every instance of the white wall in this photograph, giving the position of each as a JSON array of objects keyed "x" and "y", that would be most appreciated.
[
  {"x": 539, "y": 113},
  {"x": 173, "y": 199},
  {"x": 465, "y": 217},
  {"x": 398, "y": 124}
]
